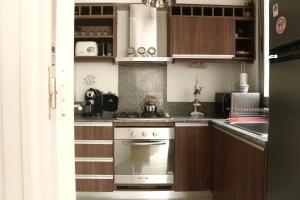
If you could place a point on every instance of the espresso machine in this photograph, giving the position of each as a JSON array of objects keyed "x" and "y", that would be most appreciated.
[{"x": 93, "y": 105}]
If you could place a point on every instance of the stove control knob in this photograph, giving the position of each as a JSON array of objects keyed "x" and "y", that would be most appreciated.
[
  {"x": 154, "y": 134},
  {"x": 132, "y": 134},
  {"x": 144, "y": 134}
]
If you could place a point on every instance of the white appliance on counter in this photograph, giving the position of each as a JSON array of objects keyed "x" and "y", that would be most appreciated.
[{"x": 86, "y": 48}]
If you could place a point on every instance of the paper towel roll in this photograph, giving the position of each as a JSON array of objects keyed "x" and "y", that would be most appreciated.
[{"x": 243, "y": 79}]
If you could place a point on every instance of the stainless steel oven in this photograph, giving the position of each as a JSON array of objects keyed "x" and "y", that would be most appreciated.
[{"x": 144, "y": 155}]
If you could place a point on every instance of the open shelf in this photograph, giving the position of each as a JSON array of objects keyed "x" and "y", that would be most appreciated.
[
  {"x": 96, "y": 23},
  {"x": 94, "y": 10},
  {"x": 94, "y": 58},
  {"x": 241, "y": 12},
  {"x": 93, "y": 37}
]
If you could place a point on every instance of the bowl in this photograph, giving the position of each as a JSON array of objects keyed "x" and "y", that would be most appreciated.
[{"x": 244, "y": 88}]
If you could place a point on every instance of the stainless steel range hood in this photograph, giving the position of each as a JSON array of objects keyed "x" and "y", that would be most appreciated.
[{"x": 143, "y": 33}]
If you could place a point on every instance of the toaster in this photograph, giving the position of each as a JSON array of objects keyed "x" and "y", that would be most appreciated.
[{"x": 86, "y": 48}]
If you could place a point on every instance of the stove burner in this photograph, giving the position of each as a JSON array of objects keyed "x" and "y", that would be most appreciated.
[
  {"x": 127, "y": 115},
  {"x": 152, "y": 115}
]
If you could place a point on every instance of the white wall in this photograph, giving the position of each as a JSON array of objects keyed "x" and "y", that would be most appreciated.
[
  {"x": 104, "y": 76},
  {"x": 11, "y": 150},
  {"x": 105, "y": 73},
  {"x": 212, "y": 77},
  {"x": 181, "y": 77}
]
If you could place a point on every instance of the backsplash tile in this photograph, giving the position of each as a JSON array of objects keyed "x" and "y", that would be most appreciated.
[{"x": 136, "y": 82}]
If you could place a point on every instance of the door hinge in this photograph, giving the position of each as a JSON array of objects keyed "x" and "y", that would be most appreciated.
[{"x": 52, "y": 92}]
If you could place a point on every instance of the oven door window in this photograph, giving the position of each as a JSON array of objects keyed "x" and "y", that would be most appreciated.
[{"x": 144, "y": 157}]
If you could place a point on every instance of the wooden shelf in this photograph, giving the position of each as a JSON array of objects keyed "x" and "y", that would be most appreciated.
[
  {"x": 94, "y": 16},
  {"x": 236, "y": 12},
  {"x": 94, "y": 37},
  {"x": 244, "y": 38},
  {"x": 245, "y": 59},
  {"x": 93, "y": 58}
]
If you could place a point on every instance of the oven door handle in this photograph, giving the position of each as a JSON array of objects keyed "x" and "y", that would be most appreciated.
[{"x": 148, "y": 143}]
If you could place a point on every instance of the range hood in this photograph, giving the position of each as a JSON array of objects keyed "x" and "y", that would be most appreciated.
[{"x": 143, "y": 33}]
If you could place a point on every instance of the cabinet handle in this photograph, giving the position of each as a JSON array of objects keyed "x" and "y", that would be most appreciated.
[
  {"x": 95, "y": 177},
  {"x": 103, "y": 142},
  {"x": 90, "y": 159}
]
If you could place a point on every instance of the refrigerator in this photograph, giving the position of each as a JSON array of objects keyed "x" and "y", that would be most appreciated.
[{"x": 283, "y": 177}]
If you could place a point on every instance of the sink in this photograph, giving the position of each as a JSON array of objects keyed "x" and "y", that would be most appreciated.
[{"x": 259, "y": 128}]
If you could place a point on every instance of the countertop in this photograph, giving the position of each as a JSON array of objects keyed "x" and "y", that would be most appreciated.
[
  {"x": 247, "y": 135},
  {"x": 178, "y": 119},
  {"x": 220, "y": 123}
]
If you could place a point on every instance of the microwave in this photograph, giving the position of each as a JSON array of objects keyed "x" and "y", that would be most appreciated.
[{"x": 224, "y": 102}]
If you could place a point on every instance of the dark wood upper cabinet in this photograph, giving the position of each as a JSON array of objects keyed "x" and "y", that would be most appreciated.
[
  {"x": 192, "y": 158},
  {"x": 198, "y": 35},
  {"x": 212, "y": 31},
  {"x": 238, "y": 168}
]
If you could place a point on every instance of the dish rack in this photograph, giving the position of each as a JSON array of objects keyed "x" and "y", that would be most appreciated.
[{"x": 249, "y": 113}]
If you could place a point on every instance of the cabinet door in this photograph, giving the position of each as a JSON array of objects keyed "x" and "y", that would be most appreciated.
[
  {"x": 223, "y": 173},
  {"x": 92, "y": 145},
  {"x": 93, "y": 133},
  {"x": 94, "y": 185},
  {"x": 192, "y": 158},
  {"x": 250, "y": 173},
  {"x": 239, "y": 170},
  {"x": 202, "y": 35}
]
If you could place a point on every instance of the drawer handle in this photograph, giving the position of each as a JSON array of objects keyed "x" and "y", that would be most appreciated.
[
  {"x": 95, "y": 177},
  {"x": 104, "y": 142},
  {"x": 89, "y": 159}
]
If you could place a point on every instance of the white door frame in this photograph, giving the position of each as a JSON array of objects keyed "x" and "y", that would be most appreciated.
[{"x": 36, "y": 154}]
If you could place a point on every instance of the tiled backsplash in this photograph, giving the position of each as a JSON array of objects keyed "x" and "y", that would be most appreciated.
[{"x": 136, "y": 82}]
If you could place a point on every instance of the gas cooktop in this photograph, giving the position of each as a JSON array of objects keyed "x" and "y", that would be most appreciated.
[{"x": 136, "y": 115}]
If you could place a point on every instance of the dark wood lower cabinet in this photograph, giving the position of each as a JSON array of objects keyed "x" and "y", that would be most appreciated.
[
  {"x": 93, "y": 150},
  {"x": 192, "y": 158},
  {"x": 102, "y": 168},
  {"x": 93, "y": 133},
  {"x": 94, "y": 185},
  {"x": 239, "y": 169}
]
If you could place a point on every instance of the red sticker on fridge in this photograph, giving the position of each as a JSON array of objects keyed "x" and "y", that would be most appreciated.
[{"x": 281, "y": 25}]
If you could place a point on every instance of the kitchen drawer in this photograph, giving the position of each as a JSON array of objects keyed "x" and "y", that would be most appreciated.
[
  {"x": 93, "y": 133},
  {"x": 94, "y": 185},
  {"x": 103, "y": 168},
  {"x": 93, "y": 150}
]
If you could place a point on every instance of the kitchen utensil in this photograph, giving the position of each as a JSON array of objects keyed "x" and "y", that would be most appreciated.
[
  {"x": 141, "y": 51},
  {"x": 149, "y": 105},
  {"x": 244, "y": 88},
  {"x": 103, "y": 49},
  {"x": 151, "y": 51},
  {"x": 131, "y": 52}
]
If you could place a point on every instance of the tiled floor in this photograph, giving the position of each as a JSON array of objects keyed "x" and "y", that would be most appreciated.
[{"x": 136, "y": 195}]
